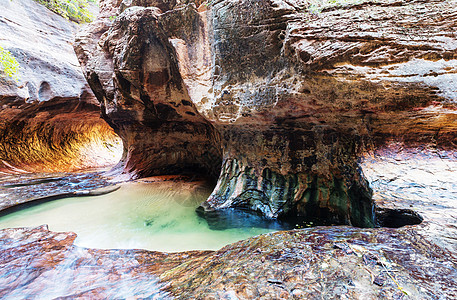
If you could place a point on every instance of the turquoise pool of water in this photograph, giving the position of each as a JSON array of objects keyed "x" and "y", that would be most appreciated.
[{"x": 156, "y": 216}]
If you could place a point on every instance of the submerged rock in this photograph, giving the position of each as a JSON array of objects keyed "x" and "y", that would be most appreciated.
[{"x": 293, "y": 98}]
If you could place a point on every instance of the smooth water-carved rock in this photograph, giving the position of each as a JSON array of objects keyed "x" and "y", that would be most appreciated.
[
  {"x": 49, "y": 117},
  {"x": 40, "y": 40},
  {"x": 296, "y": 96},
  {"x": 299, "y": 264},
  {"x": 135, "y": 76},
  {"x": 309, "y": 174},
  {"x": 55, "y": 136}
]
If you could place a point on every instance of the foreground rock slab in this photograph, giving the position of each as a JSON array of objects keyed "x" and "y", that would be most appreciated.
[
  {"x": 16, "y": 189},
  {"x": 37, "y": 263},
  {"x": 324, "y": 262}
]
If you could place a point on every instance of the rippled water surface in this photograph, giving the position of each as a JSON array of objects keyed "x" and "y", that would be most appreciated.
[{"x": 155, "y": 216}]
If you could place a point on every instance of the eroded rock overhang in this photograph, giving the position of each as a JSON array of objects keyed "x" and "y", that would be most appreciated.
[
  {"x": 288, "y": 99},
  {"x": 49, "y": 118}
]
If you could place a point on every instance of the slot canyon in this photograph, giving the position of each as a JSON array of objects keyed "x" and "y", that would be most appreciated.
[{"x": 228, "y": 149}]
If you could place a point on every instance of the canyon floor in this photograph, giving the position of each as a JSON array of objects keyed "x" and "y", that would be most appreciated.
[{"x": 324, "y": 262}]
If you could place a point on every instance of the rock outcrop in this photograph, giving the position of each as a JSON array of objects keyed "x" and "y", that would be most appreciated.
[
  {"x": 326, "y": 262},
  {"x": 133, "y": 71},
  {"x": 292, "y": 97},
  {"x": 49, "y": 117}
]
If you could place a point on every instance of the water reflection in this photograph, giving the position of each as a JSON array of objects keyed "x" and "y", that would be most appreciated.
[{"x": 228, "y": 218}]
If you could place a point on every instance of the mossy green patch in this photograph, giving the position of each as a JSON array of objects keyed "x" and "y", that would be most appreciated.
[
  {"x": 74, "y": 10},
  {"x": 8, "y": 64}
]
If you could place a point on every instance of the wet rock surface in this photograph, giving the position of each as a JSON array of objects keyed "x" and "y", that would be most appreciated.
[
  {"x": 294, "y": 97},
  {"x": 37, "y": 263},
  {"x": 325, "y": 262},
  {"x": 36, "y": 188},
  {"x": 300, "y": 264}
]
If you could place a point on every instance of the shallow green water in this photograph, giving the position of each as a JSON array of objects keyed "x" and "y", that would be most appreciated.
[{"x": 155, "y": 216}]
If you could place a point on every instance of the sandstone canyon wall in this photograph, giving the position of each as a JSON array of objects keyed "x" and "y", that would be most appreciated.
[
  {"x": 49, "y": 117},
  {"x": 288, "y": 99}
]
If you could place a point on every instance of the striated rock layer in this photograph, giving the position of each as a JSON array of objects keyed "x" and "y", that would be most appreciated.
[
  {"x": 55, "y": 136},
  {"x": 292, "y": 98},
  {"x": 49, "y": 117}
]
